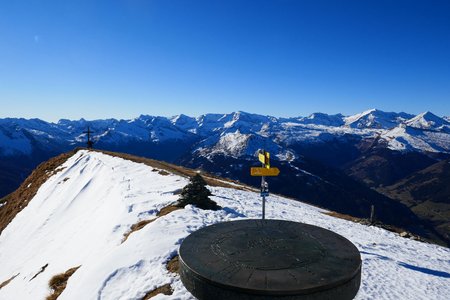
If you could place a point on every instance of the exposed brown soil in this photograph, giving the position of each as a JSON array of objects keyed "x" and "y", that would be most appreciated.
[
  {"x": 19, "y": 199},
  {"x": 344, "y": 216},
  {"x": 6, "y": 282},
  {"x": 135, "y": 227},
  {"x": 364, "y": 221},
  {"x": 165, "y": 289},
  {"x": 167, "y": 210},
  {"x": 378, "y": 224},
  {"x": 141, "y": 224},
  {"x": 173, "y": 265},
  {"x": 59, "y": 282}
]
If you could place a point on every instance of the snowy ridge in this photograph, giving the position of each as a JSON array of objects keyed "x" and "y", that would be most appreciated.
[
  {"x": 323, "y": 119},
  {"x": 20, "y": 135},
  {"x": 376, "y": 119},
  {"x": 79, "y": 217},
  {"x": 427, "y": 120}
]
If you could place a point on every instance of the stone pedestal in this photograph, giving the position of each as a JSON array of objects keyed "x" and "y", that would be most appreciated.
[{"x": 269, "y": 259}]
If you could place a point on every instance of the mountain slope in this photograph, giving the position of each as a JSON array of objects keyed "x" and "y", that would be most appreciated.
[
  {"x": 13, "y": 203},
  {"x": 381, "y": 166},
  {"x": 427, "y": 193},
  {"x": 79, "y": 216}
]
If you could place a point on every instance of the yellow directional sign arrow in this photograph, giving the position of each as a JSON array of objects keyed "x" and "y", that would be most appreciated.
[
  {"x": 264, "y": 158},
  {"x": 254, "y": 171}
]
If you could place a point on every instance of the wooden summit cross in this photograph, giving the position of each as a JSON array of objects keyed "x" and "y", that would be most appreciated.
[{"x": 89, "y": 142}]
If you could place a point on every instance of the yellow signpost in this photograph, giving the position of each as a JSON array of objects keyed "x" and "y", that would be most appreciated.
[
  {"x": 265, "y": 170},
  {"x": 264, "y": 158},
  {"x": 255, "y": 171}
]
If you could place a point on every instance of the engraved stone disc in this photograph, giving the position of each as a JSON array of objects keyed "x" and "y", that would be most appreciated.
[{"x": 267, "y": 259}]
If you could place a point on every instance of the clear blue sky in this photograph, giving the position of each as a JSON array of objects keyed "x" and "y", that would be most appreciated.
[{"x": 123, "y": 58}]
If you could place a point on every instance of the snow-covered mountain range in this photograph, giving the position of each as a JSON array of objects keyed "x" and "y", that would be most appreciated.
[
  {"x": 332, "y": 161},
  {"x": 79, "y": 216},
  {"x": 212, "y": 133}
]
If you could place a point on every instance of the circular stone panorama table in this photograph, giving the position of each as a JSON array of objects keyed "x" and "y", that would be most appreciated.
[{"x": 269, "y": 259}]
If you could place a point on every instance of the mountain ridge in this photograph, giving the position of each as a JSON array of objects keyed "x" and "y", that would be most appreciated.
[{"x": 78, "y": 219}]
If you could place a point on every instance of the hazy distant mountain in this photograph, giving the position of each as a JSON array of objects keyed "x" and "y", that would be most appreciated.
[
  {"x": 323, "y": 119},
  {"x": 23, "y": 136}
]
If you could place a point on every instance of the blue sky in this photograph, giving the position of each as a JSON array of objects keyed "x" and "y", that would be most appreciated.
[{"x": 123, "y": 58}]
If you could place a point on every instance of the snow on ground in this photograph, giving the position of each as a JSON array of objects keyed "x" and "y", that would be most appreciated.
[{"x": 79, "y": 217}]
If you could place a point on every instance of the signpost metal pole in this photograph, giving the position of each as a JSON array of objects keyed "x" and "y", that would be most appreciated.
[
  {"x": 265, "y": 170},
  {"x": 264, "y": 163},
  {"x": 263, "y": 185}
]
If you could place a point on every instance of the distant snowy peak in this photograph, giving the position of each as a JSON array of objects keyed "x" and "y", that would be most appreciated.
[
  {"x": 323, "y": 119},
  {"x": 207, "y": 124},
  {"x": 211, "y": 123},
  {"x": 376, "y": 119},
  {"x": 408, "y": 138},
  {"x": 143, "y": 128},
  {"x": 237, "y": 144},
  {"x": 230, "y": 144},
  {"x": 19, "y": 136},
  {"x": 427, "y": 120},
  {"x": 161, "y": 129},
  {"x": 248, "y": 123},
  {"x": 185, "y": 122}
]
